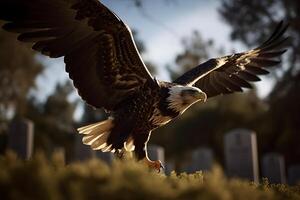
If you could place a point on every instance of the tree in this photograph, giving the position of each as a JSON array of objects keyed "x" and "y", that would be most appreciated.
[
  {"x": 18, "y": 71},
  {"x": 53, "y": 119},
  {"x": 196, "y": 50}
]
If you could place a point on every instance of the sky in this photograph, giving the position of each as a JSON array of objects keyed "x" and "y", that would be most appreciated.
[{"x": 160, "y": 25}]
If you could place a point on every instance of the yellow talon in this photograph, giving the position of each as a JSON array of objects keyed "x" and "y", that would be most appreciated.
[{"x": 156, "y": 164}]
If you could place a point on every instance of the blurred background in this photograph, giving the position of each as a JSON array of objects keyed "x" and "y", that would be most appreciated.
[{"x": 173, "y": 36}]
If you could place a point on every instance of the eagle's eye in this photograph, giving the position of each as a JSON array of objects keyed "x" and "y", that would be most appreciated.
[
  {"x": 188, "y": 92},
  {"x": 191, "y": 95}
]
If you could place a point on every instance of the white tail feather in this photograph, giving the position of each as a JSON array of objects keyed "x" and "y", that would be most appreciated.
[
  {"x": 107, "y": 148},
  {"x": 96, "y": 134},
  {"x": 101, "y": 142},
  {"x": 101, "y": 126}
]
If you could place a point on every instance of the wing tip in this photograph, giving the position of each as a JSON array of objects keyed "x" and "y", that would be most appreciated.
[{"x": 277, "y": 33}]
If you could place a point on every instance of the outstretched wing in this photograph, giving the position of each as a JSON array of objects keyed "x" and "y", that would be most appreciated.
[
  {"x": 100, "y": 54},
  {"x": 232, "y": 73}
]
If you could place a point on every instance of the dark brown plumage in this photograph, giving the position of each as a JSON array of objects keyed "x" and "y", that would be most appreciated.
[
  {"x": 98, "y": 47},
  {"x": 108, "y": 72}
]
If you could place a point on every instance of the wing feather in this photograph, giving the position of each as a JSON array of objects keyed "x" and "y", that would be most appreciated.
[
  {"x": 231, "y": 85},
  {"x": 100, "y": 54},
  {"x": 232, "y": 73},
  {"x": 256, "y": 70}
]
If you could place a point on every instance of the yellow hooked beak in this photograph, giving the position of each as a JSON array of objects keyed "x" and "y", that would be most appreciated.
[
  {"x": 201, "y": 96},
  {"x": 193, "y": 94}
]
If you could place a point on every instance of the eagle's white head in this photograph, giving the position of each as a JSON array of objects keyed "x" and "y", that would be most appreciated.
[{"x": 182, "y": 97}]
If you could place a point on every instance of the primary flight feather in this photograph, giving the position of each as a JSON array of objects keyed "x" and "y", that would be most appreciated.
[{"x": 108, "y": 71}]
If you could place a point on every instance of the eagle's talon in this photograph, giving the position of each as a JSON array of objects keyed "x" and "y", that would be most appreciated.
[
  {"x": 156, "y": 164},
  {"x": 161, "y": 166}
]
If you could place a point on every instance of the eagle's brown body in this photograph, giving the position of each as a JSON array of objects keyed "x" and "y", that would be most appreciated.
[{"x": 150, "y": 112}]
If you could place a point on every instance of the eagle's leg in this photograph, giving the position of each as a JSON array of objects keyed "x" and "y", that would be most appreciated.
[{"x": 140, "y": 143}]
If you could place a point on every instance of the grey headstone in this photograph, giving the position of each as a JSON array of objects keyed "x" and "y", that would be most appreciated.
[
  {"x": 156, "y": 152},
  {"x": 20, "y": 138},
  {"x": 82, "y": 152},
  {"x": 202, "y": 159},
  {"x": 294, "y": 174},
  {"x": 169, "y": 167},
  {"x": 241, "y": 154},
  {"x": 273, "y": 168}
]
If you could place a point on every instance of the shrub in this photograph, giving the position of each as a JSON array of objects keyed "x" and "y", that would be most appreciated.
[{"x": 42, "y": 179}]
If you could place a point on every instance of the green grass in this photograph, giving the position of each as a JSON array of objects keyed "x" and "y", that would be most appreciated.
[{"x": 43, "y": 179}]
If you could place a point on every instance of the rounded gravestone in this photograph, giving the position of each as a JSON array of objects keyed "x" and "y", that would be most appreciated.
[
  {"x": 273, "y": 168},
  {"x": 241, "y": 154},
  {"x": 202, "y": 159},
  {"x": 294, "y": 174}
]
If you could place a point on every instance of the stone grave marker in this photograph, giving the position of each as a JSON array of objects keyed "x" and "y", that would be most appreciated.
[
  {"x": 273, "y": 168},
  {"x": 294, "y": 174},
  {"x": 202, "y": 159},
  {"x": 169, "y": 167},
  {"x": 241, "y": 158},
  {"x": 20, "y": 138}
]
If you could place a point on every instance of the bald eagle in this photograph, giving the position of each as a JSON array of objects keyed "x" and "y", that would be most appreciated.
[{"x": 108, "y": 71}]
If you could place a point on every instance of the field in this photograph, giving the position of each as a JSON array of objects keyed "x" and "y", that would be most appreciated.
[{"x": 52, "y": 179}]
